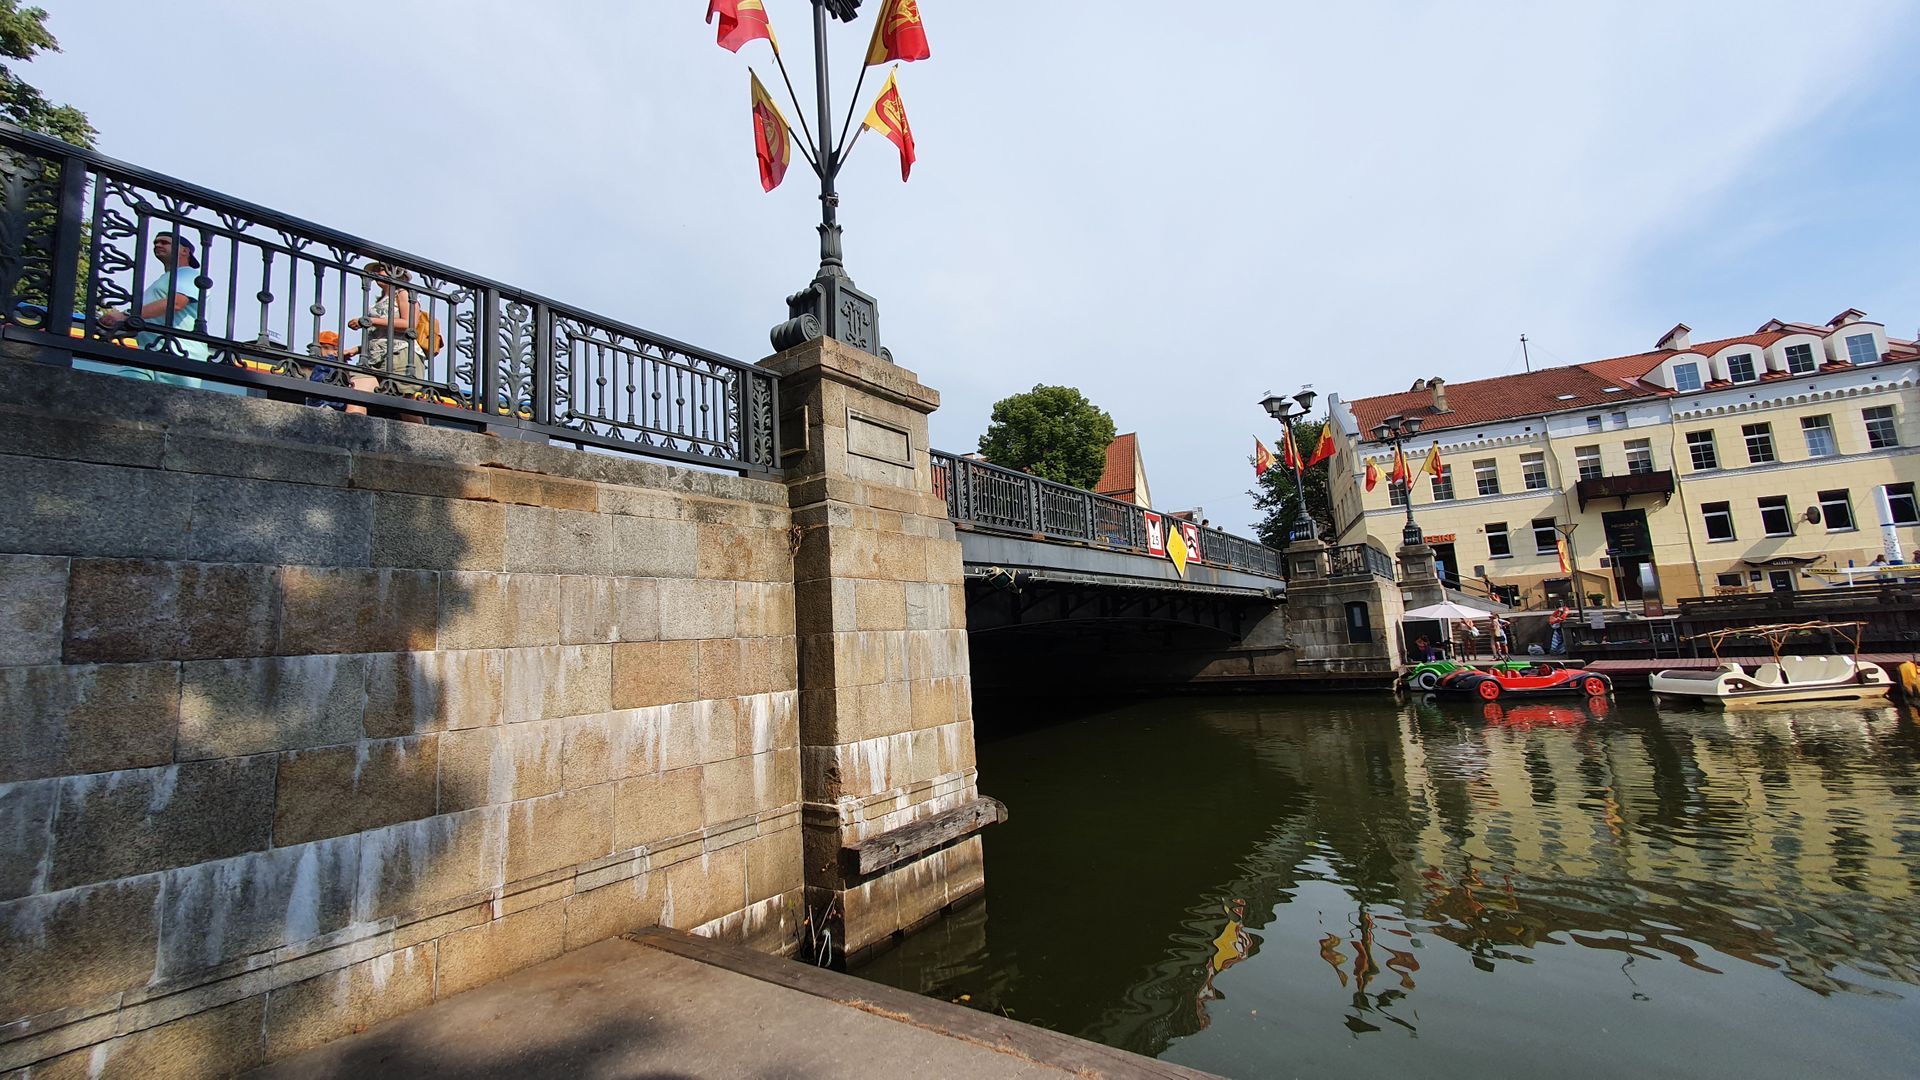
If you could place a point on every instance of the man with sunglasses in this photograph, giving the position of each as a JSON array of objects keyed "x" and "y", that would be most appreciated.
[{"x": 172, "y": 299}]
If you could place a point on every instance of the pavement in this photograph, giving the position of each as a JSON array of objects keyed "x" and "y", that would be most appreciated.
[{"x": 666, "y": 1005}]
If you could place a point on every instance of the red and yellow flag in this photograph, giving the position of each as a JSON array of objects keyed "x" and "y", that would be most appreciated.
[
  {"x": 1262, "y": 458},
  {"x": 1401, "y": 472},
  {"x": 1373, "y": 475},
  {"x": 889, "y": 117},
  {"x": 1323, "y": 449},
  {"x": 741, "y": 21},
  {"x": 1432, "y": 466},
  {"x": 898, "y": 34},
  {"x": 772, "y": 143},
  {"x": 1289, "y": 453},
  {"x": 1560, "y": 548}
]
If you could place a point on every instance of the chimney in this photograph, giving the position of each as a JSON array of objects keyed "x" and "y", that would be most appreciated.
[
  {"x": 1419, "y": 384},
  {"x": 1678, "y": 339},
  {"x": 1439, "y": 387}
]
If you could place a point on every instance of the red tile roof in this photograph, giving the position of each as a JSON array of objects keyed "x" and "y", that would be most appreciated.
[
  {"x": 1564, "y": 389},
  {"x": 1116, "y": 481}
]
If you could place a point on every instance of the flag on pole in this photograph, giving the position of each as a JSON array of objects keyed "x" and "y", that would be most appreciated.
[
  {"x": 741, "y": 21},
  {"x": 1400, "y": 470},
  {"x": 1432, "y": 466},
  {"x": 1262, "y": 458},
  {"x": 772, "y": 143},
  {"x": 1373, "y": 475},
  {"x": 898, "y": 34},
  {"x": 1323, "y": 449},
  {"x": 1560, "y": 546},
  {"x": 889, "y": 117},
  {"x": 1289, "y": 453}
]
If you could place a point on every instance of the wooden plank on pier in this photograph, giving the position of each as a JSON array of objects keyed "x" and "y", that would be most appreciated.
[{"x": 891, "y": 848}]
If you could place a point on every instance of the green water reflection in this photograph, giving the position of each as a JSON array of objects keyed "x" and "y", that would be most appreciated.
[{"x": 1341, "y": 885}]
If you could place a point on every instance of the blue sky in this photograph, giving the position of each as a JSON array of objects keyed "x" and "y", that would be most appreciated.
[{"x": 1175, "y": 208}]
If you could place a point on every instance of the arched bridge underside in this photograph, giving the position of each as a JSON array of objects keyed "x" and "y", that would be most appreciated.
[{"x": 1052, "y": 618}]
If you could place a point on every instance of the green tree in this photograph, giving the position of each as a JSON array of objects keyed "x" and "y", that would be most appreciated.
[
  {"x": 23, "y": 32},
  {"x": 1053, "y": 432},
  {"x": 1273, "y": 494}
]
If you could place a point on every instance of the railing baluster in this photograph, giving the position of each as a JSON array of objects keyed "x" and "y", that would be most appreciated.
[{"x": 66, "y": 243}]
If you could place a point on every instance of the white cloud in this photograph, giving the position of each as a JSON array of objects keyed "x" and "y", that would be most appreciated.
[{"x": 1175, "y": 208}]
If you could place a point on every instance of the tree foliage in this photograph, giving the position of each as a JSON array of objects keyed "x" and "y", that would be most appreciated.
[
  {"x": 1053, "y": 432},
  {"x": 23, "y": 33},
  {"x": 1273, "y": 494}
]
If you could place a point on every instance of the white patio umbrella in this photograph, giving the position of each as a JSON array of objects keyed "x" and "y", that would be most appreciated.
[{"x": 1447, "y": 609}]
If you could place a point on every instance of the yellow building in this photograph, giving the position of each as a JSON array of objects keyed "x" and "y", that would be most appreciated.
[{"x": 1727, "y": 465}]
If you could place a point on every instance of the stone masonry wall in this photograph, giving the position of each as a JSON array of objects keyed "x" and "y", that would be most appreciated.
[{"x": 307, "y": 719}]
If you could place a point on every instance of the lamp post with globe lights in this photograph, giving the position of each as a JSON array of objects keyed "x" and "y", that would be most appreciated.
[
  {"x": 1394, "y": 429},
  {"x": 1283, "y": 410}
]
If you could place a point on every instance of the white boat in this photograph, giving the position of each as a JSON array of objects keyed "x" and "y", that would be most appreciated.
[{"x": 1783, "y": 679}]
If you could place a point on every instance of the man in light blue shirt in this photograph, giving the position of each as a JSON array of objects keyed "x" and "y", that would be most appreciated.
[{"x": 172, "y": 299}]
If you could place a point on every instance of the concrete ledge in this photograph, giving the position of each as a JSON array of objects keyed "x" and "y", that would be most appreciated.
[{"x": 662, "y": 1003}]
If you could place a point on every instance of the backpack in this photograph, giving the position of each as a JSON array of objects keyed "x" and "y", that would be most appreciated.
[{"x": 426, "y": 332}]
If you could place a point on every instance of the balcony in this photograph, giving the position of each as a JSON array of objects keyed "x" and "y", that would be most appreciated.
[{"x": 1625, "y": 487}]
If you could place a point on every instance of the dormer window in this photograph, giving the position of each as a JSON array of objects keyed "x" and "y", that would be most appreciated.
[
  {"x": 1799, "y": 360},
  {"x": 1686, "y": 376},
  {"x": 1740, "y": 367},
  {"x": 1860, "y": 349}
]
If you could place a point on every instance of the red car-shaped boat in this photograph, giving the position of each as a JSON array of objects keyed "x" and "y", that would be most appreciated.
[{"x": 1540, "y": 680}]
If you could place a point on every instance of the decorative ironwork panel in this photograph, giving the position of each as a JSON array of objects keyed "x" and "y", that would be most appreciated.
[
  {"x": 1359, "y": 560},
  {"x": 193, "y": 285}
]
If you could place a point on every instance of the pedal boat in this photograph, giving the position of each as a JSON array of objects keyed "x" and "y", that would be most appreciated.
[{"x": 1783, "y": 679}]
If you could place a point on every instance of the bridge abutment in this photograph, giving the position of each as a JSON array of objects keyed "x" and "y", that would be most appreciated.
[{"x": 890, "y": 803}]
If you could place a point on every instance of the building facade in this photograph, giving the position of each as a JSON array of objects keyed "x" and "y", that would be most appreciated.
[{"x": 1743, "y": 464}]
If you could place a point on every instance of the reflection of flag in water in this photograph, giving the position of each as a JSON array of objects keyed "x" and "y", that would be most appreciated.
[{"x": 772, "y": 145}]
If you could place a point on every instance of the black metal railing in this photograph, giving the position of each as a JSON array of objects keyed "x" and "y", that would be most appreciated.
[
  {"x": 285, "y": 308},
  {"x": 992, "y": 498},
  {"x": 1359, "y": 560}
]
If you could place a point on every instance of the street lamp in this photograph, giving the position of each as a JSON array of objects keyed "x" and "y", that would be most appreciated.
[
  {"x": 1282, "y": 410},
  {"x": 1393, "y": 429}
]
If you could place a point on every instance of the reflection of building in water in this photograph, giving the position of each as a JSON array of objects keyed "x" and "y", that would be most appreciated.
[{"x": 1752, "y": 839}]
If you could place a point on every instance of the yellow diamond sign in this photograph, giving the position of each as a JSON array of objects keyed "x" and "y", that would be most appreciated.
[{"x": 1177, "y": 549}]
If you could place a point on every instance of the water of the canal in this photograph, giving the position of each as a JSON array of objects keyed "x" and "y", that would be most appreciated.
[{"x": 1350, "y": 886}]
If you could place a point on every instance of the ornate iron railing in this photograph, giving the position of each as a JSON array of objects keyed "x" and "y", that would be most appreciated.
[
  {"x": 265, "y": 291},
  {"x": 1359, "y": 560},
  {"x": 991, "y": 498}
]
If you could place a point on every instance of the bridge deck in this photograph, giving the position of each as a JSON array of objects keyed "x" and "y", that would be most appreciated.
[{"x": 664, "y": 1003}]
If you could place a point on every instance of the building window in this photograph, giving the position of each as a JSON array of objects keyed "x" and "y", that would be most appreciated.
[
  {"x": 1443, "y": 486},
  {"x": 1686, "y": 376},
  {"x": 1759, "y": 443},
  {"x": 1546, "y": 538},
  {"x": 1775, "y": 518},
  {"x": 1860, "y": 349},
  {"x": 1396, "y": 493},
  {"x": 1719, "y": 520},
  {"x": 1819, "y": 433},
  {"x": 1836, "y": 509},
  {"x": 1880, "y": 430},
  {"x": 1593, "y": 423},
  {"x": 1900, "y": 500},
  {"x": 1497, "y": 546},
  {"x": 1740, "y": 367},
  {"x": 1639, "y": 456},
  {"x": 1619, "y": 419},
  {"x": 1732, "y": 580},
  {"x": 1800, "y": 359},
  {"x": 1587, "y": 460},
  {"x": 1486, "y": 479},
  {"x": 1700, "y": 447},
  {"x": 1533, "y": 472}
]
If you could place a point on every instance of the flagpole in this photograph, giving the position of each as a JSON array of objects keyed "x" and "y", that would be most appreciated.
[
  {"x": 797, "y": 110},
  {"x": 852, "y": 104},
  {"x": 830, "y": 260},
  {"x": 843, "y": 155}
]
